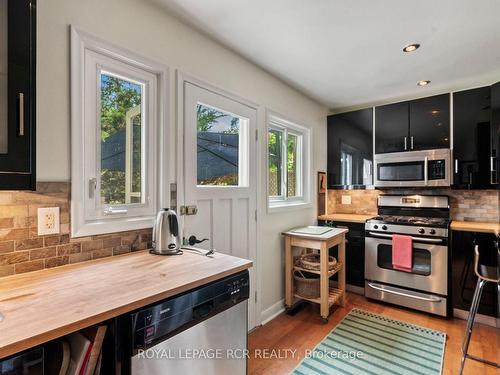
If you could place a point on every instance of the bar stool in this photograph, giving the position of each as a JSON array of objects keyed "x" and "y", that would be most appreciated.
[{"x": 485, "y": 274}]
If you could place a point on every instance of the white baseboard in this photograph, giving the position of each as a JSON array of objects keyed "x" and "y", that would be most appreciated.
[
  {"x": 480, "y": 318},
  {"x": 272, "y": 312}
]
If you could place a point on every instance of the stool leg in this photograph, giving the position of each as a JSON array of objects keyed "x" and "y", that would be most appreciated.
[{"x": 470, "y": 321}]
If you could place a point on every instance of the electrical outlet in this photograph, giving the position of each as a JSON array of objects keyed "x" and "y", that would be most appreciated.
[
  {"x": 346, "y": 199},
  {"x": 48, "y": 220}
]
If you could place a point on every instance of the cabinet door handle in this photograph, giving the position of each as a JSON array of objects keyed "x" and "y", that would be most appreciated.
[
  {"x": 456, "y": 166},
  {"x": 21, "y": 114},
  {"x": 406, "y": 144},
  {"x": 411, "y": 142},
  {"x": 493, "y": 170}
]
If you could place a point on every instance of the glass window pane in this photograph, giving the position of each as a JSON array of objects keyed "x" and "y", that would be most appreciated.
[
  {"x": 218, "y": 137},
  {"x": 291, "y": 166},
  {"x": 121, "y": 132},
  {"x": 3, "y": 77},
  {"x": 275, "y": 139}
]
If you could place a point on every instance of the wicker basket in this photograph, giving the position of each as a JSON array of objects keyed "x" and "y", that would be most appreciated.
[
  {"x": 311, "y": 262},
  {"x": 306, "y": 284}
]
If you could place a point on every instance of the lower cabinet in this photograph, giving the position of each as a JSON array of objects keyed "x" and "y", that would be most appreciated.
[
  {"x": 355, "y": 251},
  {"x": 463, "y": 277}
]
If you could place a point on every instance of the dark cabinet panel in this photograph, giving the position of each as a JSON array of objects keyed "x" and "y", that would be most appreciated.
[
  {"x": 495, "y": 136},
  {"x": 355, "y": 251},
  {"x": 350, "y": 149},
  {"x": 17, "y": 94},
  {"x": 421, "y": 124},
  {"x": 476, "y": 119},
  {"x": 429, "y": 123},
  {"x": 391, "y": 128},
  {"x": 463, "y": 277},
  {"x": 471, "y": 128}
]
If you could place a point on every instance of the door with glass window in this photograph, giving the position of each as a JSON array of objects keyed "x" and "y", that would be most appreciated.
[{"x": 220, "y": 175}]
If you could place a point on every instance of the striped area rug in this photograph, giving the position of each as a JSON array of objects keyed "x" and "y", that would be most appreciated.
[{"x": 367, "y": 343}]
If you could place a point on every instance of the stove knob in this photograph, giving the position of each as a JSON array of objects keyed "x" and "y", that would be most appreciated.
[
  {"x": 384, "y": 227},
  {"x": 421, "y": 231},
  {"x": 432, "y": 231},
  {"x": 375, "y": 226}
]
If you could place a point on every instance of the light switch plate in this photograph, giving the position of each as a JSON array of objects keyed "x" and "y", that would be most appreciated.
[
  {"x": 48, "y": 220},
  {"x": 346, "y": 199}
]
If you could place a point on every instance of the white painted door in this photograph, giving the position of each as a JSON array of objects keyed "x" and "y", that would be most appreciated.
[{"x": 220, "y": 176}]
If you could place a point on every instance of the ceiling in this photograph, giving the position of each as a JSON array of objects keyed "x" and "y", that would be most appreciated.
[{"x": 348, "y": 53}]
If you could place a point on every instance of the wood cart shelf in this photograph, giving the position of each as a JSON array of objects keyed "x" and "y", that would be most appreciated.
[
  {"x": 328, "y": 295},
  {"x": 334, "y": 294}
]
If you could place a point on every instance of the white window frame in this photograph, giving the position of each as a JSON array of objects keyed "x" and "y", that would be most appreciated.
[
  {"x": 303, "y": 180},
  {"x": 91, "y": 56}
]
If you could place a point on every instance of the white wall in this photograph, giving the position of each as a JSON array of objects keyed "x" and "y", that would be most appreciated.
[{"x": 145, "y": 29}]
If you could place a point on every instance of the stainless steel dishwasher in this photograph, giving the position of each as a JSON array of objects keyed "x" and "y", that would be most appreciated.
[{"x": 203, "y": 331}]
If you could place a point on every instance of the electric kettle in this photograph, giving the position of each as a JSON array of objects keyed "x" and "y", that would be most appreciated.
[{"x": 166, "y": 233}]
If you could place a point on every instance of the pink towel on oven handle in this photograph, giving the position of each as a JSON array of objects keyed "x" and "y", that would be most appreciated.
[{"x": 402, "y": 252}]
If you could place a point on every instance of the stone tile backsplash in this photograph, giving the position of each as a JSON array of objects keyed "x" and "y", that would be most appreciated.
[
  {"x": 466, "y": 205},
  {"x": 22, "y": 250}
]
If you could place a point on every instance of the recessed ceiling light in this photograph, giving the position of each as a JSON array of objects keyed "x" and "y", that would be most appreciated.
[
  {"x": 423, "y": 83},
  {"x": 411, "y": 47},
  {"x": 435, "y": 111}
]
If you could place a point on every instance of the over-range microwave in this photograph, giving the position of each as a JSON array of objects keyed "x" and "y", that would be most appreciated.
[{"x": 429, "y": 168}]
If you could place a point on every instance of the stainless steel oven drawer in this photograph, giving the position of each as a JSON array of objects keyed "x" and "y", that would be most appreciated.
[
  {"x": 430, "y": 303},
  {"x": 436, "y": 282}
]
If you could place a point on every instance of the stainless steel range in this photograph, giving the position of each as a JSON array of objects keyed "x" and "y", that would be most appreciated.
[{"x": 426, "y": 219}]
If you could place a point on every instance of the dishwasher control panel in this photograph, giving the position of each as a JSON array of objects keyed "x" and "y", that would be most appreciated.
[{"x": 159, "y": 321}]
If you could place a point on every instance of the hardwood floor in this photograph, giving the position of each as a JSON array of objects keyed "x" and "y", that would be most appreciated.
[{"x": 290, "y": 336}]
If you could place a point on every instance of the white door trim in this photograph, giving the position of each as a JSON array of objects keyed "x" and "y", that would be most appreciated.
[{"x": 181, "y": 79}]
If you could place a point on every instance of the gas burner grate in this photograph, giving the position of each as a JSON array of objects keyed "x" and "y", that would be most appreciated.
[{"x": 416, "y": 220}]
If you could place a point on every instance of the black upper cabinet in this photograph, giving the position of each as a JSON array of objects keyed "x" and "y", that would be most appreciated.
[
  {"x": 17, "y": 94},
  {"x": 495, "y": 136},
  {"x": 476, "y": 117},
  {"x": 421, "y": 124},
  {"x": 429, "y": 123},
  {"x": 471, "y": 125},
  {"x": 391, "y": 127},
  {"x": 350, "y": 149}
]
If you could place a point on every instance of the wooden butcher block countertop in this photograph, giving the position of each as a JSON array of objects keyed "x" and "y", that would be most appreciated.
[
  {"x": 475, "y": 226},
  {"x": 350, "y": 218},
  {"x": 47, "y": 304}
]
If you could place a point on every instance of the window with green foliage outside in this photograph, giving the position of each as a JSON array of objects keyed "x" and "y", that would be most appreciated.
[
  {"x": 275, "y": 145},
  {"x": 283, "y": 164},
  {"x": 121, "y": 133}
]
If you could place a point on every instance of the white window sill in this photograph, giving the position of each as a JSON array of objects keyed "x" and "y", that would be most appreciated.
[
  {"x": 281, "y": 206},
  {"x": 114, "y": 225}
]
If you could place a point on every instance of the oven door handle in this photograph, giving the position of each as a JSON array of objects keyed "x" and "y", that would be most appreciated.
[
  {"x": 429, "y": 240},
  {"x": 388, "y": 290},
  {"x": 426, "y": 171}
]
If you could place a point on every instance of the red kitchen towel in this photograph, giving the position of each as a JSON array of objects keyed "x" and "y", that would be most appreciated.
[{"x": 402, "y": 252}]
